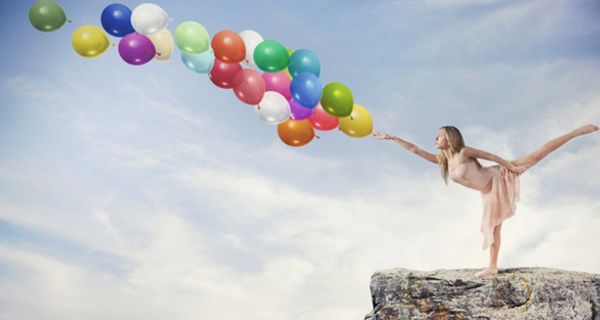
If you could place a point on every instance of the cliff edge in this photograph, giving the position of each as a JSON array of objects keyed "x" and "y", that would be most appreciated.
[{"x": 517, "y": 293}]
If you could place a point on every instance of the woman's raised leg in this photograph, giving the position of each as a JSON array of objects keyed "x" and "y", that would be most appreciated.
[{"x": 552, "y": 145}]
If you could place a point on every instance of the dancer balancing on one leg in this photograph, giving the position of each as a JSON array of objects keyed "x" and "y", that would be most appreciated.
[{"x": 498, "y": 184}]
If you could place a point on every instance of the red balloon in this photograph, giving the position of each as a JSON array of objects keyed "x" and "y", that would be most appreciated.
[
  {"x": 222, "y": 74},
  {"x": 228, "y": 46},
  {"x": 249, "y": 86},
  {"x": 321, "y": 120}
]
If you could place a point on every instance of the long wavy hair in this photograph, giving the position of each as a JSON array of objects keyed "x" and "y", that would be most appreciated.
[{"x": 456, "y": 143}]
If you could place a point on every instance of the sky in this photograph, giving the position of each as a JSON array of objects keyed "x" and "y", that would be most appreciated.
[{"x": 148, "y": 192}]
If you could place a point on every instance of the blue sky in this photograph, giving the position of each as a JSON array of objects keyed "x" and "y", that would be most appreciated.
[{"x": 149, "y": 192}]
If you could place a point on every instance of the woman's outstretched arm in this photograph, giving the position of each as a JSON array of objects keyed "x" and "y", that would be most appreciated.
[
  {"x": 408, "y": 146},
  {"x": 475, "y": 153}
]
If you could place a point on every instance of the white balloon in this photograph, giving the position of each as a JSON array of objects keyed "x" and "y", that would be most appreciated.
[
  {"x": 251, "y": 40},
  {"x": 148, "y": 18},
  {"x": 273, "y": 108},
  {"x": 163, "y": 43}
]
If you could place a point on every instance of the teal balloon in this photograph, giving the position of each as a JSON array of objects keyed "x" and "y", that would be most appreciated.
[
  {"x": 304, "y": 61},
  {"x": 46, "y": 15},
  {"x": 271, "y": 56},
  {"x": 201, "y": 63}
]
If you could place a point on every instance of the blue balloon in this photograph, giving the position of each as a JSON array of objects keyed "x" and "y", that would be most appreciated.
[
  {"x": 304, "y": 61},
  {"x": 201, "y": 62},
  {"x": 116, "y": 20},
  {"x": 306, "y": 89}
]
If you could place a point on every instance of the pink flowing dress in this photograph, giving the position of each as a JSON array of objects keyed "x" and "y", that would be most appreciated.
[{"x": 499, "y": 191}]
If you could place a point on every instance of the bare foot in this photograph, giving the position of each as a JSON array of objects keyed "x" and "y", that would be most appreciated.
[
  {"x": 586, "y": 129},
  {"x": 486, "y": 271}
]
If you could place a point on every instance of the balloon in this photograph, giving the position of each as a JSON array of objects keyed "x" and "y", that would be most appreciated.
[
  {"x": 273, "y": 108},
  {"x": 222, "y": 74},
  {"x": 201, "y": 63},
  {"x": 89, "y": 41},
  {"x": 271, "y": 56},
  {"x": 163, "y": 43},
  {"x": 358, "y": 124},
  {"x": 228, "y": 46},
  {"x": 116, "y": 20},
  {"x": 136, "y": 49},
  {"x": 295, "y": 133},
  {"x": 279, "y": 82},
  {"x": 304, "y": 61},
  {"x": 287, "y": 70},
  {"x": 251, "y": 40},
  {"x": 322, "y": 120},
  {"x": 337, "y": 99},
  {"x": 148, "y": 18},
  {"x": 306, "y": 89},
  {"x": 46, "y": 15},
  {"x": 191, "y": 37},
  {"x": 299, "y": 112},
  {"x": 249, "y": 86}
]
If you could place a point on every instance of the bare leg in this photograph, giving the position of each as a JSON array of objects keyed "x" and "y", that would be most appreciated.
[
  {"x": 494, "y": 249},
  {"x": 552, "y": 145}
]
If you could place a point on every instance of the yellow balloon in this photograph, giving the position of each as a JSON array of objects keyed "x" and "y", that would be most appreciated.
[
  {"x": 358, "y": 123},
  {"x": 163, "y": 43},
  {"x": 89, "y": 41}
]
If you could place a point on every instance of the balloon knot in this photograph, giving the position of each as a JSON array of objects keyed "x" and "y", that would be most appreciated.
[
  {"x": 351, "y": 118},
  {"x": 69, "y": 21},
  {"x": 158, "y": 54},
  {"x": 317, "y": 136}
]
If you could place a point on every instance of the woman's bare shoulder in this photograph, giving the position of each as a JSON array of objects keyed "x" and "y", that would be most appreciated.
[{"x": 465, "y": 154}]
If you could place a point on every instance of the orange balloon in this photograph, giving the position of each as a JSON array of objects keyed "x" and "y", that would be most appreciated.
[
  {"x": 228, "y": 46},
  {"x": 295, "y": 133}
]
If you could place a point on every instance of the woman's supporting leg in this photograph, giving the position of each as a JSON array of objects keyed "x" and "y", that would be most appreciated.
[
  {"x": 494, "y": 249},
  {"x": 552, "y": 145}
]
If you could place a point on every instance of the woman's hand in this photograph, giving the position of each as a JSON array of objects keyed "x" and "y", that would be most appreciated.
[
  {"x": 518, "y": 170},
  {"x": 382, "y": 135}
]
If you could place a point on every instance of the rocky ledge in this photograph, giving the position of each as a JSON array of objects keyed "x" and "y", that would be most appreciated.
[{"x": 518, "y": 293}]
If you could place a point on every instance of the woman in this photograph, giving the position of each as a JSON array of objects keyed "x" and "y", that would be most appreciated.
[{"x": 498, "y": 184}]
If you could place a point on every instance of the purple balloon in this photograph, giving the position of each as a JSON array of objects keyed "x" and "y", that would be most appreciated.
[
  {"x": 136, "y": 49},
  {"x": 278, "y": 82},
  {"x": 299, "y": 112}
]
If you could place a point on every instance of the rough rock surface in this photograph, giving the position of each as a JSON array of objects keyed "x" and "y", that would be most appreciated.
[{"x": 518, "y": 293}]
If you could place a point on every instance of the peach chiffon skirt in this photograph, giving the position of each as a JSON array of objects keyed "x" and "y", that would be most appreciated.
[{"x": 499, "y": 202}]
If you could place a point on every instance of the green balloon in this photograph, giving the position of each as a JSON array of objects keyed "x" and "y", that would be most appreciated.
[
  {"x": 191, "y": 37},
  {"x": 271, "y": 56},
  {"x": 337, "y": 99},
  {"x": 46, "y": 15}
]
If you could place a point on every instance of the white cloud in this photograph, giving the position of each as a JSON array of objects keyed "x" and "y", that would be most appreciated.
[{"x": 191, "y": 220}]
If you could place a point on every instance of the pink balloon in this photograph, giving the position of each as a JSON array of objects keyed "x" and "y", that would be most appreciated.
[
  {"x": 136, "y": 49},
  {"x": 278, "y": 82},
  {"x": 299, "y": 112},
  {"x": 249, "y": 86},
  {"x": 222, "y": 73},
  {"x": 321, "y": 120}
]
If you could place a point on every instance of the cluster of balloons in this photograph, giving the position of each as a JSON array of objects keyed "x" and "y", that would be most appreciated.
[{"x": 283, "y": 85}]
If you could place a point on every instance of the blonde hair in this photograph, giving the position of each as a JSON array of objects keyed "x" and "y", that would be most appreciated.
[{"x": 456, "y": 143}]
